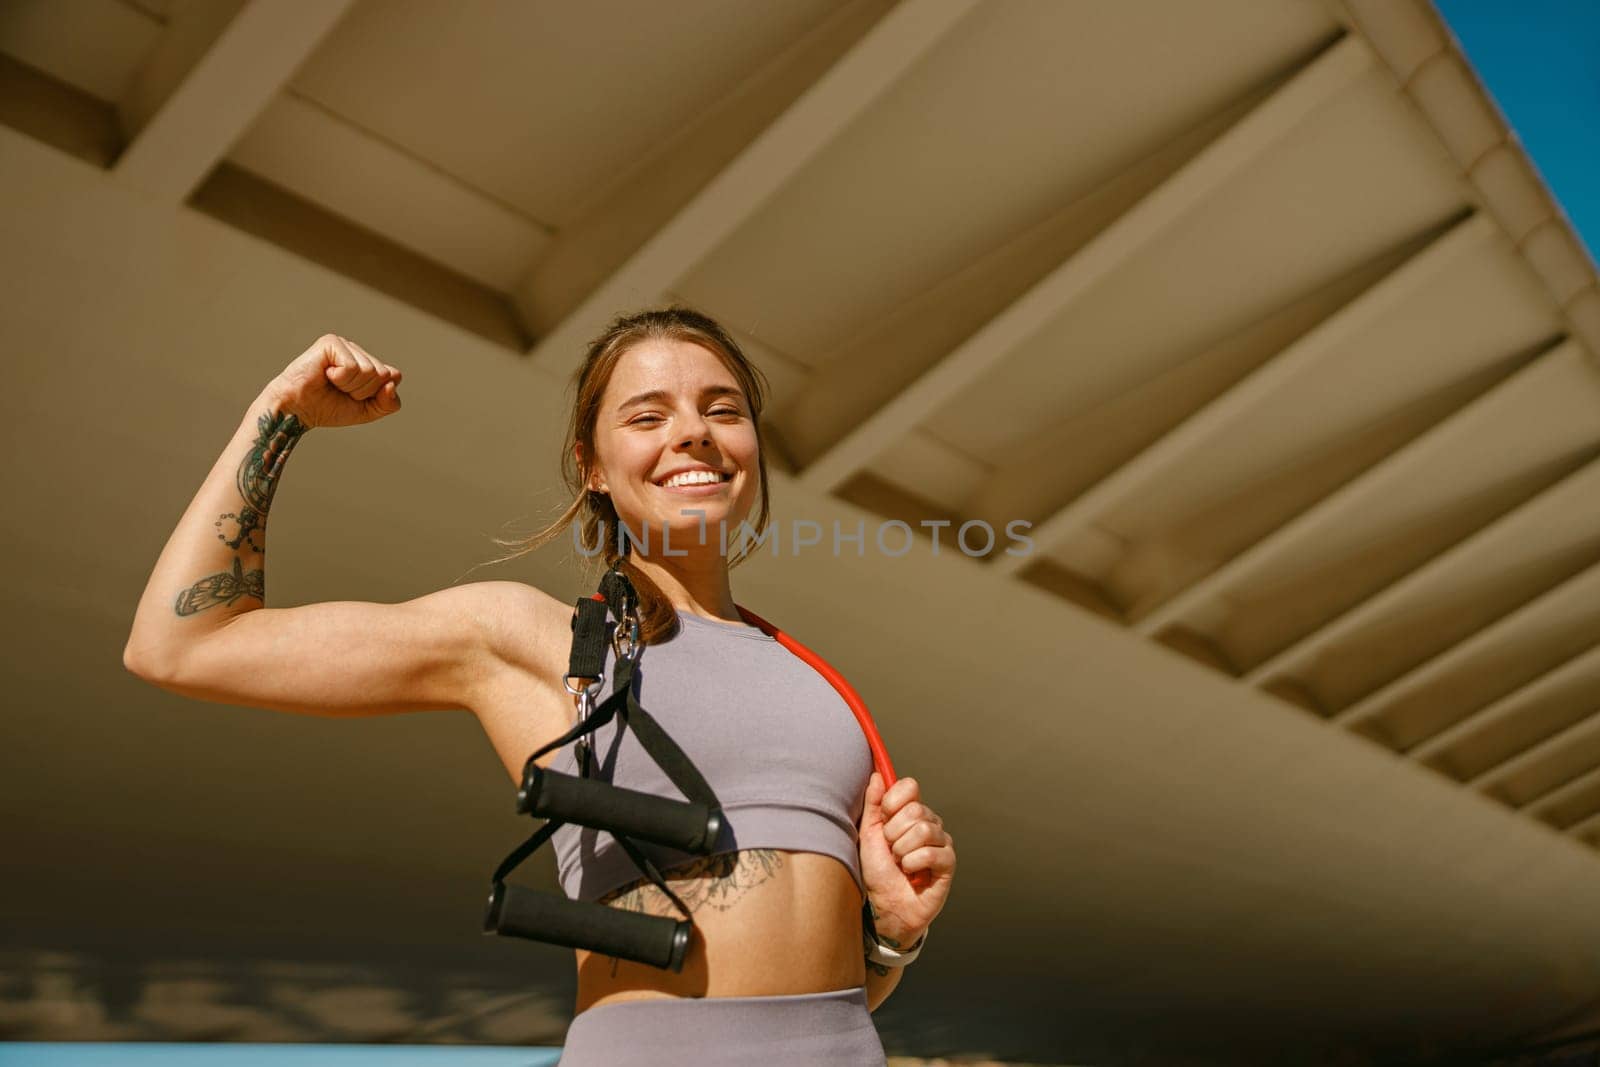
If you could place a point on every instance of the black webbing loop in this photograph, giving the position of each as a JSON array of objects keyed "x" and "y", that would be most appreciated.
[
  {"x": 645, "y": 864},
  {"x": 619, "y": 592},
  {"x": 524, "y": 850},
  {"x": 588, "y": 639},
  {"x": 587, "y": 660},
  {"x": 664, "y": 750},
  {"x": 591, "y": 722}
]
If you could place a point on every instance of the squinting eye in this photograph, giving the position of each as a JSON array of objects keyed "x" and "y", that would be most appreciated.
[{"x": 714, "y": 411}]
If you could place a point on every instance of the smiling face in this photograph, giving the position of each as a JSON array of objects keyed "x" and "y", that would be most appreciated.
[{"x": 673, "y": 407}]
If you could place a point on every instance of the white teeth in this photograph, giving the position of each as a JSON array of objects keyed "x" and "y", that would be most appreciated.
[{"x": 693, "y": 478}]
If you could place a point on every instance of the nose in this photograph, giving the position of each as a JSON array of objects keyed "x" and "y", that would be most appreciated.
[{"x": 696, "y": 431}]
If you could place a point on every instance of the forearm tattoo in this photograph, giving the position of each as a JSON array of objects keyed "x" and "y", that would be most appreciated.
[
  {"x": 222, "y": 588},
  {"x": 276, "y": 435},
  {"x": 891, "y": 942}
]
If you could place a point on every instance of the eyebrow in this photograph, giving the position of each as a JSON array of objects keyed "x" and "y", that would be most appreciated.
[{"x": 662, "y": 394}]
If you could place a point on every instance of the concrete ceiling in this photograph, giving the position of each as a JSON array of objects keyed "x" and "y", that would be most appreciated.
[{"x": 1285, "y": 739}]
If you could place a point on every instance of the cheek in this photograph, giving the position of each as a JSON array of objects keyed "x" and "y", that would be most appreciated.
[
  {"x": 634, "y": 459},
  {"x": 748, "y": 449}
]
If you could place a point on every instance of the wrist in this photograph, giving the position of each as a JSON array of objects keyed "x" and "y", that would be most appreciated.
[
  {"x": 275, "y": 399},
  {"x": 896, "y": 937},
  {"x": 887, "y": 929},
  {"x": 890, "y": 943},
  {"x": 881, "y": 952}
]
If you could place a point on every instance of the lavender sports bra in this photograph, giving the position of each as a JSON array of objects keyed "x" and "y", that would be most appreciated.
[{"x": 779, "y": 746}]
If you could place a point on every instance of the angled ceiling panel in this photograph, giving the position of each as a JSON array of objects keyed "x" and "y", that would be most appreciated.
[
  {"x": 94, "y": 45},
  {"x": 1506, "y": 564},
  {"x": 1462, "y": 322},
  {"x": 1292, "y": 221},
  {"x": 542, "y": 105},
  {"x": 1005, "y": 122},
  {"x": 302, "y": 147}
]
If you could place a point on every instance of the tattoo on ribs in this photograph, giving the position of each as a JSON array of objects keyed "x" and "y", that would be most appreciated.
[
  {"x": 276, "y": 435},
  {"x": 706, "y": 881}
]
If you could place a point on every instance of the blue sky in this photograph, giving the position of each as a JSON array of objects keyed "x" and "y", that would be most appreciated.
[{"x": 1540, "y": 60}]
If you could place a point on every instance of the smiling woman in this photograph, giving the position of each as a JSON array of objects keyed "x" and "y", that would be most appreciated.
[
  {"x": 685, "y": 398},
  {"x": 665, "y": 435}
]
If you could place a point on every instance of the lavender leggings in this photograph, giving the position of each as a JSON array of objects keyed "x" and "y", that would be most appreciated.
[{"x": 797, "y": 1030}]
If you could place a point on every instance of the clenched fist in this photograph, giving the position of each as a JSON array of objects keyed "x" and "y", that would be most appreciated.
[
  {"x": 908, "y": 860},
  {"x": 336, "y": 382}
]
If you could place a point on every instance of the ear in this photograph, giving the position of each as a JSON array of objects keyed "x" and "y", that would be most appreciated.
[{"x": 596, "y": 480}]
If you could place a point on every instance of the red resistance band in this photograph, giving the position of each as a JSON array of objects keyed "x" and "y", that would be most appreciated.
[{"x": 880, "y": 754}]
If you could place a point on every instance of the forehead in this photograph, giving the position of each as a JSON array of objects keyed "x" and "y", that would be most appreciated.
[{"x": 678, "y": 367}]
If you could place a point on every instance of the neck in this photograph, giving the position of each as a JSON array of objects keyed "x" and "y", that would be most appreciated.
[{"x": 696, "y": 583}]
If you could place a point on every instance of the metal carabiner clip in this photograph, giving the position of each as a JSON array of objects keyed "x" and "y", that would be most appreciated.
[
  {"x": 585, "y": 694},
  {"x": 631, "y": 621}
]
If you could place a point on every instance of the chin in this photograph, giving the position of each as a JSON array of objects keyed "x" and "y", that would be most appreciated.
[
  {"x": 712, "y": 514},
  {"x": 686, "y": 528}
]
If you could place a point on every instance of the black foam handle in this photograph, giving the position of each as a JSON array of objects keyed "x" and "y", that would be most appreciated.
[
  {"x": 657, "y": 940},
  {"x": 680, "y": 824}
]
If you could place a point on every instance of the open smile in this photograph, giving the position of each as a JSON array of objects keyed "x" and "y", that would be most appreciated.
[{"x": 696, "y": 483}]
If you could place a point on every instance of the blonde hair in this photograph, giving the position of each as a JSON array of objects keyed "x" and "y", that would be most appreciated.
[{"x": 597, "y": 519}]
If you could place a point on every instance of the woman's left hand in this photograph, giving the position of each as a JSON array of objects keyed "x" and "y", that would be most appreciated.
[{"x": 900, "y": 836}]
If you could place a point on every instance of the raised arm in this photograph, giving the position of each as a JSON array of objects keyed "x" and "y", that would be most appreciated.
[{"x": 202, "y": 628}]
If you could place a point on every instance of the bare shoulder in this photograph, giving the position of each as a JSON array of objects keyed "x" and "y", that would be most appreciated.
[
  {"x": 523, "y": 626},
  {"x": 518, "y": 694}
]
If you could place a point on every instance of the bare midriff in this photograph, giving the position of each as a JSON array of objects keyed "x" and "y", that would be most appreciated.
[{"x": 767, "y": 922}]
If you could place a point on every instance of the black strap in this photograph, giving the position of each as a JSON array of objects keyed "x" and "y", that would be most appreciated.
[
  {"x": 587, "y": 660},
  {"x": 588, "y": 724},
  {"x": 640, "y": 860},
  {"x": 589, "y": 638},
  {"x": 662, "y": 748},
  {"x": 524, "y": 850},
  {"x": 618, "y": 591},
  {"x": 645, "y": 864}
]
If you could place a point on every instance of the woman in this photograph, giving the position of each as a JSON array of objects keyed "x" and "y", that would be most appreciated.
[{"x": 665, "y": 438}]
